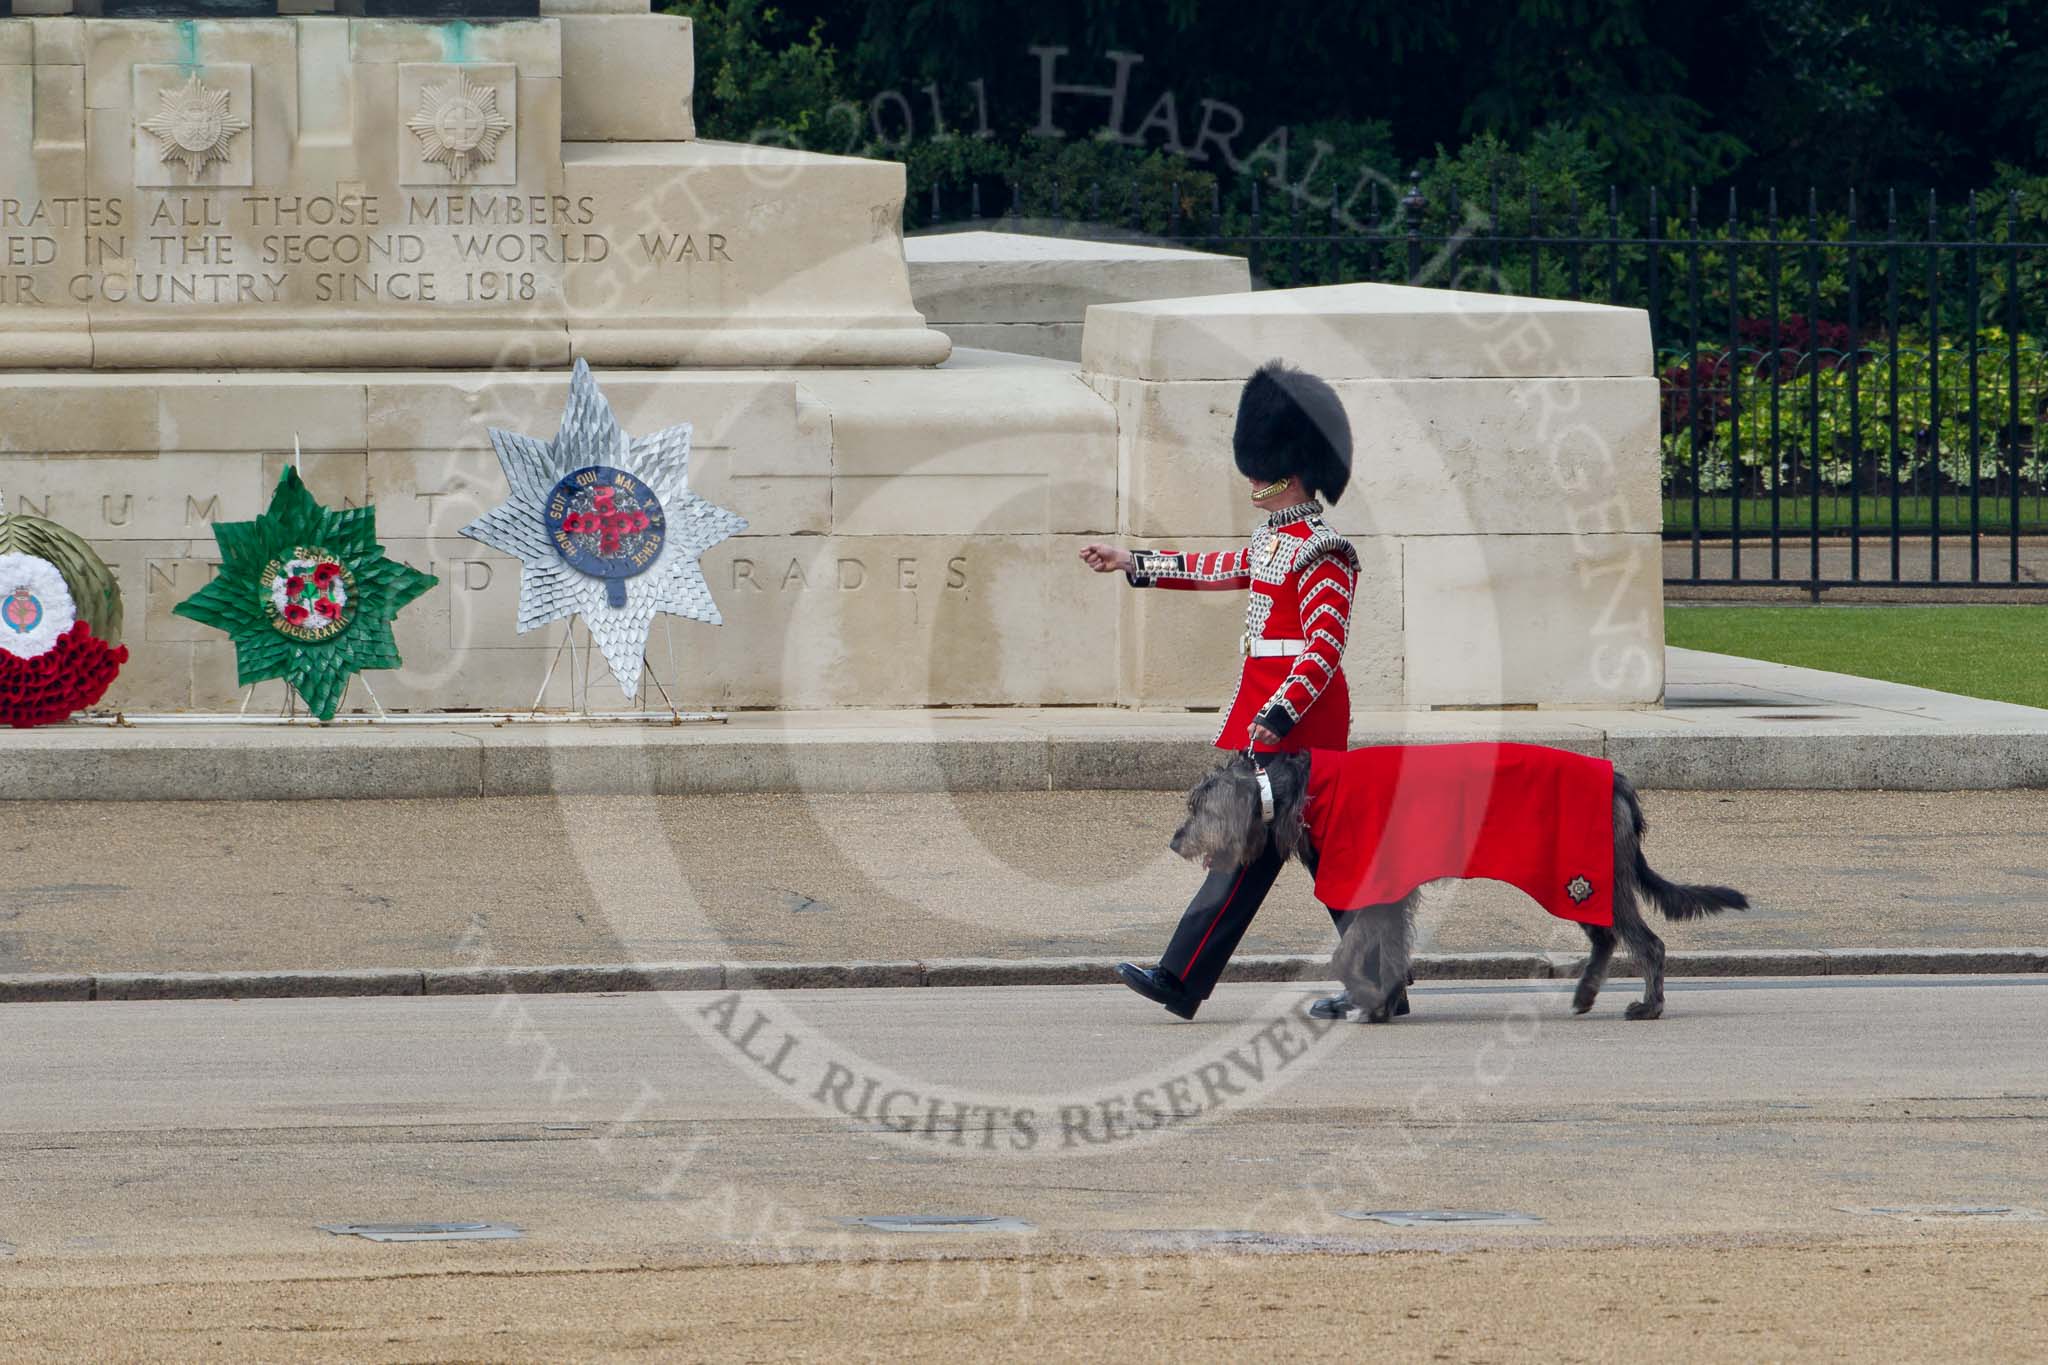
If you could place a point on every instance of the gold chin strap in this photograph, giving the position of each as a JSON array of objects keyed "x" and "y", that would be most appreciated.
[{"x": 1268, "y": 491}]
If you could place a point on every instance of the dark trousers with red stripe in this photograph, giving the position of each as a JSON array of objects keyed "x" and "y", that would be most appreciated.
[{"x": 1216, "y": 919}]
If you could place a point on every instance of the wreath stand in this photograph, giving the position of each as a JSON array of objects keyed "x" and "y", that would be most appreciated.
[
  {"x": 579, "y": 682},
  {"x": 289, "y": 711},
  {"x": 580, "y": 654}
]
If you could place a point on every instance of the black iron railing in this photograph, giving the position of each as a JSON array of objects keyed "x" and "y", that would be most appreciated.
[{"x": 1848, "y": 399}]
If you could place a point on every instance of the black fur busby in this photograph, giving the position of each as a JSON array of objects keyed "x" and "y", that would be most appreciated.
[{"x": 1289, "y": 422}]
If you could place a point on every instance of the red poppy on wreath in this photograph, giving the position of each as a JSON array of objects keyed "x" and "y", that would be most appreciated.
[
  {"x": 69, "y": 677},
  {"x": 307, "y": 594}
]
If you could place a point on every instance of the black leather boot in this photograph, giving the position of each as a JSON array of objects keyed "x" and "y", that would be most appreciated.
[{"x": 1159, "y": 987}]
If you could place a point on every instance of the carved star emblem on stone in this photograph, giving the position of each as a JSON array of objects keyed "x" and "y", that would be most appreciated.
[
  {"x": 605, "y": 527},
  {"x": 195, "y": 125},
  {"x": 459, "y": 124}
]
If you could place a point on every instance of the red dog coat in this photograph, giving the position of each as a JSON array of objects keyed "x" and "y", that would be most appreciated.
[{"x": 1385, "y": 820}]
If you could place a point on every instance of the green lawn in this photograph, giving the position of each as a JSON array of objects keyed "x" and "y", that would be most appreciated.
[
  {"x": 1996, "y": 652},
  {"x": 1916, "y": 513}
]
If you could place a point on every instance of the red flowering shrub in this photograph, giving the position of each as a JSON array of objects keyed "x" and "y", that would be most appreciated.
[
  {"x": 1675, "y": 393},
  {"x": 70, "y": 676},
  {"x": 1797, "y": 332},
  {"x": 1802, "y": 345}
]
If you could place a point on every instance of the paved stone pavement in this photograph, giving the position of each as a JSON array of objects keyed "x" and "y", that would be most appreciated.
[
  {"x": 163, "y": 1169},
  {"x": 198, "y": 886},
  {"x": 1728, "y": 723},
  {"x": 212, "y": 1129}
]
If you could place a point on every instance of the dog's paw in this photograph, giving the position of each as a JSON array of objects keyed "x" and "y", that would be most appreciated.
[
  {"x": 1382, "y": 1015},
  {"x": 1582, "y": 1000},
  {"x": 1643, "y": 1009}
]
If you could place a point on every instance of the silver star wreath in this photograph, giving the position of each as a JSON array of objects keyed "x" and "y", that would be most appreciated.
[{"x": 551, "y": 527}]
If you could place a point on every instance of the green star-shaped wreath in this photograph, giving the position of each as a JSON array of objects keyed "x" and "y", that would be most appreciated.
[{"x": 306, "y": 594}]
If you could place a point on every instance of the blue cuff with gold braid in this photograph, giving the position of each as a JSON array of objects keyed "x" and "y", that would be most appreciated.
[{"x": 1147, "y": 565}]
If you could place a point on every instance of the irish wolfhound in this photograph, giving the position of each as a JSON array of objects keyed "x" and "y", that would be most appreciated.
[{"x": 1226, "y": 826}]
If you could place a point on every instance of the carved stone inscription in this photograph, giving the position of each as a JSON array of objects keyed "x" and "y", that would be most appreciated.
[{"x": 462, "y": 246}]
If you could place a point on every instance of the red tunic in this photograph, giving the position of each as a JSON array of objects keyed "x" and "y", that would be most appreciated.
[
  {"x": 1301, "y": 576},
  {"x": 1386, "y": 819}
]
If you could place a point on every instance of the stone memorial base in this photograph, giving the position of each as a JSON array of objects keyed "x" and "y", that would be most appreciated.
[
  {"x": 913, "y": 535},
  {"x": 1029, "y": 294},
  {"x": 1504, "y": 495},
  {"x": 379, "y": 238}
]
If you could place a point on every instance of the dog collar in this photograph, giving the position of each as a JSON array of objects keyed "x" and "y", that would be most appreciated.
[{"x": 1265, "y": 795}]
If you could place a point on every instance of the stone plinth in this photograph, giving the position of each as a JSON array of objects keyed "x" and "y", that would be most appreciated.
[
  {"x": 1027, "y": 294},
  {"x": 913, "y": 535},
  {"x": 1504, "y": 496},
  {"x": 317, "y": 191}
]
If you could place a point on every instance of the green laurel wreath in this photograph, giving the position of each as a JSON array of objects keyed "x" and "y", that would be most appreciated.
[
  {"x": 93, "y": 589},
  {"x": 234, "y": 602}
]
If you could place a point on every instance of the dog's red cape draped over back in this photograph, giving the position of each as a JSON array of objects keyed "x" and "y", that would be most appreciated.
[{"x": 1386, "y": 819}]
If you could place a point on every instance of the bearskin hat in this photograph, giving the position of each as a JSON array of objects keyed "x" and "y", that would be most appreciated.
[{"x": 1290, "y": 422}]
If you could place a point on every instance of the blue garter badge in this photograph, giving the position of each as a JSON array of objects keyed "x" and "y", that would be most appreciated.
[{"x": 607, "y": 524}]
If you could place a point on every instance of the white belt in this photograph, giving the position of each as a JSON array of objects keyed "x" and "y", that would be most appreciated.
[{"x": 1269, "y": 649}]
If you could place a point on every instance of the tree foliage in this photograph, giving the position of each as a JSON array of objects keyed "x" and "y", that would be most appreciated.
[{"x": 1831, "y": 93}]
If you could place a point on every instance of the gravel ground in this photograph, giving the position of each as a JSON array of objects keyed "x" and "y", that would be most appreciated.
[{"x": 1947, "y": 1298}]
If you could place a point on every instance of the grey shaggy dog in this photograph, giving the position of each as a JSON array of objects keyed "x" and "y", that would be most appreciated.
[{"x": 1225, "y": 828}]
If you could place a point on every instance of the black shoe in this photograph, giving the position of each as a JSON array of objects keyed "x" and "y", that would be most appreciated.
[{"x": 1159, "y": 987}]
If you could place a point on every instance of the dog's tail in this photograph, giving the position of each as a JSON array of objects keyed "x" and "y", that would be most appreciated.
[
  {"x": 1676, "y": 901},
  {"x": 1686, "y": 902}
]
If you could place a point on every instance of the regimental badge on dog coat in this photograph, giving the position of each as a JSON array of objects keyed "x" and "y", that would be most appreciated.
[{"x": 1384, "y": 820}]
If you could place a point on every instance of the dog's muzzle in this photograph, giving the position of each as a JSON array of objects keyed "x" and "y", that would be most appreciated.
[{"x": 1268, "y": 649}]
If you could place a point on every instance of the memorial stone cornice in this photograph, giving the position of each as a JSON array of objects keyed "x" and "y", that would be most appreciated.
[{"x": 418, "y": 187}]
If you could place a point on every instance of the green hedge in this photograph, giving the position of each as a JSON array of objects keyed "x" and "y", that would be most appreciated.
[{"x": 1931, "y": 436}]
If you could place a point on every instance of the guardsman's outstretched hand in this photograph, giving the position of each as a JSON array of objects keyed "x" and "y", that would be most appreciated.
[{"x": 1106, "y": 558}]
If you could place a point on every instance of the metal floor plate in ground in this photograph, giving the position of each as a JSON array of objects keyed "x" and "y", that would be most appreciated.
[{"x": 424, "y": 1232}]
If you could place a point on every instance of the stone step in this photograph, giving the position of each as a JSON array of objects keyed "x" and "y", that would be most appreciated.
[{"x": 982, "y": 750}]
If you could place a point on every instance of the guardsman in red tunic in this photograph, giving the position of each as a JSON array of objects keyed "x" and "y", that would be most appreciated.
[{"x": 1293, "y": 445}]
